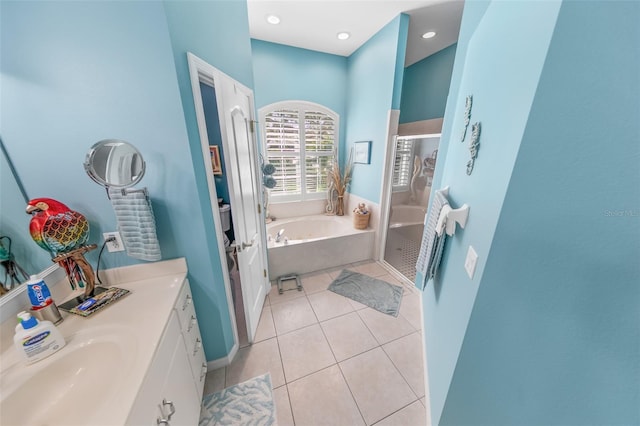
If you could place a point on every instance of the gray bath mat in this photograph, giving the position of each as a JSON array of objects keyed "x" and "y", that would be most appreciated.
[{"x": 377, "y": 294}]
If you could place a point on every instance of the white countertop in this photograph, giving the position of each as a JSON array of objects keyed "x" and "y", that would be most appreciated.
[{"x": 142, "y": 314}]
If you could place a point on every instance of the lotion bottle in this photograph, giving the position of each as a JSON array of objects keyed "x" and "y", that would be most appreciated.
[{"x": 36, "y": 340}]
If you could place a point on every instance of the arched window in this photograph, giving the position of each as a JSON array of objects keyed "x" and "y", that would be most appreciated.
[{"x": 300, "y": 139}]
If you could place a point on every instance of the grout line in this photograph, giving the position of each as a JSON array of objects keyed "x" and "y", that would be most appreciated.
[
  {"x": 400, "y": 372},
  {"x": 399, "y": 409},
  {"x": 352, "y": 395}
]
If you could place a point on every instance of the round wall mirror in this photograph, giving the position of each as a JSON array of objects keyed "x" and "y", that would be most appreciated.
[{"x": 114, "y": 163}]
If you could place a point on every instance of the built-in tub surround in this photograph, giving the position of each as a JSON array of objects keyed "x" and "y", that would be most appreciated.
[
  {"x": 406, "y": 215},
  {"x": 316, "y": 242},
  {"x": 129, "y": 329}
]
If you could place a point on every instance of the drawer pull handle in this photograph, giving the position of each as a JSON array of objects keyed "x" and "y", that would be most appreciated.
[
  {"x": 172, "y": 408},
  {"x": 197, "y": 346},
  {"x": 191, "y": 324},
  {"x": 187, "y": 302},
  {"x": 162, "y": 421},
  {"x": 204, "y": 371}
]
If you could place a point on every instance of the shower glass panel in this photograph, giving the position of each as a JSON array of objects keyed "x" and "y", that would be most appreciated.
[{"x": 413, "y": 167}]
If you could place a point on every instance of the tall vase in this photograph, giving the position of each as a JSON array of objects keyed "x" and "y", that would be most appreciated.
[{"x": 340, "y": 206}]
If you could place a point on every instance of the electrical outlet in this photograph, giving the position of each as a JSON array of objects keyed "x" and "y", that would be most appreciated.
[
  {"x": 470, "y": 262},
  {"x": 116, "y": 244}
]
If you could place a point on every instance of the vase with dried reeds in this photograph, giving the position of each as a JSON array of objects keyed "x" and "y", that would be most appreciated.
[{"x": 339, "y": 181}]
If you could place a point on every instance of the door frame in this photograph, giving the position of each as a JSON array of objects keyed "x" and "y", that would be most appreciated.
[{"x": 201, "y": 71}]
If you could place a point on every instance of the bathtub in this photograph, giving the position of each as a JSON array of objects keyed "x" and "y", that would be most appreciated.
[
  {"x": 405, "y": 215},
  {"x": 316, "y": 242}
]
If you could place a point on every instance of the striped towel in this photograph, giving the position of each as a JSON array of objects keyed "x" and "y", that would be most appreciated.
[
  {"x": 432, "y": 243},
  {"x": 136, "y": 223}
]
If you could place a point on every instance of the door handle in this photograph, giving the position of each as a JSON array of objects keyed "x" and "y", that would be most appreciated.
[{"x": 245, "y": 245}]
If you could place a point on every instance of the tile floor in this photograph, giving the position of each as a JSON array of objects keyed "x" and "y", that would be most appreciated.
[{"x": 334, "y": 361}]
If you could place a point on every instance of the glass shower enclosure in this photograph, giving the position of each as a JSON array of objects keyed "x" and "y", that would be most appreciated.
[{"x": 413, "y": 168}]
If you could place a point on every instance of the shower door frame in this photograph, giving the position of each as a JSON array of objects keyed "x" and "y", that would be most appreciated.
[{"x": 421, "y": 129}]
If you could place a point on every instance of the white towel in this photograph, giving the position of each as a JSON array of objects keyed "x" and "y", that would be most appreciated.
[
  {"x": 432, "y": 243},
  {"x": 136, "y": 223}
]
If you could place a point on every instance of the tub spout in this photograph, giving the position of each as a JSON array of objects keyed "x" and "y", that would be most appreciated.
[{"x": 279, "y": 235}]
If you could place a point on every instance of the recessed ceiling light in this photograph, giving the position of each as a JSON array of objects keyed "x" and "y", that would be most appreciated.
[
  {"x": 343, "y": 35},
  {"x": 273, "y": 19},
  {"x": 429, "y": 34}
]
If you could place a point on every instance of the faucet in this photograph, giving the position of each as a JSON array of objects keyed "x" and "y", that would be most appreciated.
[{"x": 279, "y": 235}]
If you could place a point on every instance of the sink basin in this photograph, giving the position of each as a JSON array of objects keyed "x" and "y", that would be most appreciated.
[{"x": 73, "y": 385}]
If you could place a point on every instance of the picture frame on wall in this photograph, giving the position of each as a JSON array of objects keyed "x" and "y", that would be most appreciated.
[
  {"x": 216, "y": 165},
  {"x": 362, "y": 152}
]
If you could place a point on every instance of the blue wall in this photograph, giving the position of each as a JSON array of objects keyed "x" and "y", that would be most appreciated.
[
  {"x": 285, "y": 73},
  {"x": 14, "y": 223},
  {"x": 210, "y": 106},
  {"x": 555, "y": 323},
  {"x": 74, "y": 73},
  {"x": 544, "y": 333},
  {"x": 374, "y": 86},
  {"x": 426, "y": 86}
]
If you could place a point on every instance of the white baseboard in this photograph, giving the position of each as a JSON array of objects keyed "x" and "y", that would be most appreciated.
[{"x": 224, "y": 361}]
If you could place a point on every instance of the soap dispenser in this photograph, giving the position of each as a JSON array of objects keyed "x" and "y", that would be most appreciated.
[{"x": 36, "y": 340}]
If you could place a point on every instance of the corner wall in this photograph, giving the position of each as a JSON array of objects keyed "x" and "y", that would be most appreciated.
[
  {"x": 374, "y": 87},
  {"x": 74, "y": 73},
  {"x": 553, "y": 338},
  {"x": 426, "y": 86},
  {"x": 499, "y": 58}
]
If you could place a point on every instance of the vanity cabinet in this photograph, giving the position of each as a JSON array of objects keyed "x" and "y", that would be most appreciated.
[{"x": 171, "y": 393}]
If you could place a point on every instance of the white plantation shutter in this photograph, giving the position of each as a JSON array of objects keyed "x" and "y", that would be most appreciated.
[
  {"x": 403, "y": 164},
  {"x": 300, "y": 140}
]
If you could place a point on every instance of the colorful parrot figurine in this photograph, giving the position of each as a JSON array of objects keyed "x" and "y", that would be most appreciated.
[
  {"x": 55, "y": 227},
  {"x": 59, "y": 230}
]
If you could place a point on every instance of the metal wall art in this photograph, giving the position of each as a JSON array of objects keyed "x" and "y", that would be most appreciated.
[
  {"x": 474, "y": 143},
  {"x": 467, "y": 116}
]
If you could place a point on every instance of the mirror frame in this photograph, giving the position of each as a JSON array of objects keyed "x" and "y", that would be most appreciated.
[{"x": 91, "y": 171}]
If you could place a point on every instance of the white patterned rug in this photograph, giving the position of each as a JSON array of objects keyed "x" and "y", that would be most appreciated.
[{"x": 247, "y": 403}]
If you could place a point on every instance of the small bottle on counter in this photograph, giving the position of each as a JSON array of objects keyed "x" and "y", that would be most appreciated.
[
  {"x": 36, "y": 340},
  {"x": 42, "y": 305}
]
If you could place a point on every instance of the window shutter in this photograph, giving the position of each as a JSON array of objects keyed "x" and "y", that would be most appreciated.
[
  {"x": 300, "y": 141},
  {"x": 403, "y": 165}
]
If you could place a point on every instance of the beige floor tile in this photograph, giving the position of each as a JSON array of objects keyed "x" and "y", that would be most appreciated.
[
  {"x": 412, "y": 415},
  {"x": 371, "y": 268},
  {"x": 327, "y": 304},
  {"x": 348, "y": 336},
  {"x": 214, "y": 381},
  {"x": 316, "y": 282},
  {"x": 292, "y": 315},
  {"x": 304, "y": 351},
  {"x": 376, "y": 385},
  {"x": 334, "y": 272},
  {"x": 392, "y": 280},
  {"x": 411, "y": 309},
  {"x": 323, "y": 398},
  {"x": 283, "y": 407},
  {"x": 255, "y": 360},
  {"x": 266, "y": 329},
  {"x": 385, "y": 328},
  {"x": 406, "y": 355},
  {"x": 275, "y": 297}
]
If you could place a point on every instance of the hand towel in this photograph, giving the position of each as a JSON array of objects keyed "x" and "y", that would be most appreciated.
[
  {"x": 136, "y": 223},
  {"x": 432, "y": 244}
]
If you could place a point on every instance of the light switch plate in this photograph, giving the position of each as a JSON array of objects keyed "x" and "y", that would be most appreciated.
[{"x": 471, "y": 261}]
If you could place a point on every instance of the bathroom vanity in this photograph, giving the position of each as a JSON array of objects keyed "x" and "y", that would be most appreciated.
[{"x": 139, "y": 361}]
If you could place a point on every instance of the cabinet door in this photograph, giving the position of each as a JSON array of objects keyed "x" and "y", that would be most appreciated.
[
  {"x": 168, "y": 387},
  {"x": 180, "y": 396}
]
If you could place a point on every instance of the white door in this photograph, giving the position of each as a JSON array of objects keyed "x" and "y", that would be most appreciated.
[{"x": 241, "y": 164}]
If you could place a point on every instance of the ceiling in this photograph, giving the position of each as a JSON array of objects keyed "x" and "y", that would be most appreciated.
[{"x": 314, "y": 24}]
